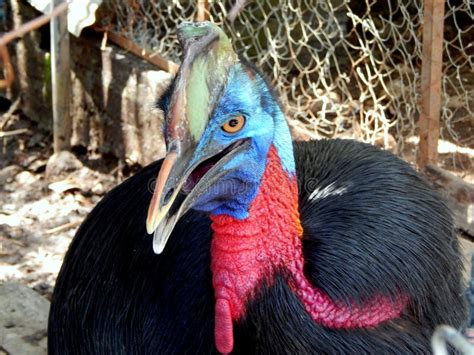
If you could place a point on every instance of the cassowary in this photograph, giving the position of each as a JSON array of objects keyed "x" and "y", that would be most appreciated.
[{"x": 259, "y": 245}]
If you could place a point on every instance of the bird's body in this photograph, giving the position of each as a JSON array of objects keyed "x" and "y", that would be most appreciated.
[
  {"x": 264, "y": 246},
  {"x": 116, "y": 296}
]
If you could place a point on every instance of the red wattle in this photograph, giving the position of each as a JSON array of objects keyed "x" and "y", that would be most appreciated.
[
  {"x": 224, "y": 332},
  {"x": 246, "y": 252}
]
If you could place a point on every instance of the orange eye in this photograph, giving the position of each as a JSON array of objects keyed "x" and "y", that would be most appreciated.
[{"x": 234, "y": 125}]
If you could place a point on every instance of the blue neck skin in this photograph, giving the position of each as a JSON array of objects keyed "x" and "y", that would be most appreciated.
[{"x": 245, "y": 94}]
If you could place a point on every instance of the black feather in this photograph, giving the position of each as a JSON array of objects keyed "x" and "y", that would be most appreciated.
[
  {"x": 276, "y": 323},
  {"x": 387, "y": 233},
  {"x": 115, "y": 296},
  {"x": 164, "y": 100}
]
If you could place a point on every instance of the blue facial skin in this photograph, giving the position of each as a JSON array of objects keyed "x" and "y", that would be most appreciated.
[{"x": 264, "y": 125}]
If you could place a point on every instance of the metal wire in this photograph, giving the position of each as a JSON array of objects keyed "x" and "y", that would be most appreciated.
[{"x": 340, "y": 67}]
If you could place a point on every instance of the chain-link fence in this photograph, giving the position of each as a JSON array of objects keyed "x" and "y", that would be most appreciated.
[{"x": 341, "y": 68}]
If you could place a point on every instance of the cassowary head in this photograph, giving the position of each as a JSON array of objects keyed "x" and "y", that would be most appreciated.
[{"x": 221, "y": 120}]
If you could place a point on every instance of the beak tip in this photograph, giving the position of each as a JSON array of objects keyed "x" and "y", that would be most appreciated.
[
  {"x": 150, "y": 226},
  {"x": 158, "y": 248}
]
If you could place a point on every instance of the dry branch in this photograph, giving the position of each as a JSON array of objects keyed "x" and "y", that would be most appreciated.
[
  {"x": 7, "y": 116},
  {"x": 63, "y": 227},
  {"x": 8, "y": 68},
  {"x": 14, "y": 132},
  {"x": 32, "y": 25},
  {"x": 152, "y": 58}
]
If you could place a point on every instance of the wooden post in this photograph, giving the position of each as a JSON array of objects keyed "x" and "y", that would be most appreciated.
[
  {"x": 202, "y": 10},
  {"x": 432, "y": 63},
  {"x": 60, "y": 79}
]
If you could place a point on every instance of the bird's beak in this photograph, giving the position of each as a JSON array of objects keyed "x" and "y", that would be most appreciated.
[
  {"x": 161, "y": 217},
  {"x": 207, "y": 59},
  {"x": 158, "y": 209},
  {"x": 177, "y": 189}
]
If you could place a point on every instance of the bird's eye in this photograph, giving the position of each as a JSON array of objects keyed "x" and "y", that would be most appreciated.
[{"x": 234, "y": 125}]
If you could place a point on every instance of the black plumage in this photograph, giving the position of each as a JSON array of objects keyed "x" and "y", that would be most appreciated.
[{"x": 385, "y": 232}]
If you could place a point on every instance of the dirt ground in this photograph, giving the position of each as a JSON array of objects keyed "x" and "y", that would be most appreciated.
[
  {"x": 41, "y": 209},
  {"x": 42, "y": 206}
]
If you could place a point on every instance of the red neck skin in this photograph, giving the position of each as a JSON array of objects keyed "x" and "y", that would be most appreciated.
[{"x": 246, "y": 252}]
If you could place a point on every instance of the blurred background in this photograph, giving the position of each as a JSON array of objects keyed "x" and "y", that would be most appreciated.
[{"x": 80, "y": 81}]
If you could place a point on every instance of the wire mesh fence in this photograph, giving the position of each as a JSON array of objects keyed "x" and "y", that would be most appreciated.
[{"x": 340, "y": 67}]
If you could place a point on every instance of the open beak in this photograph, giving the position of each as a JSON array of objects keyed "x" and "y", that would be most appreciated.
[
  {"x": 173, "y": 197},
  {"x": 158, "y": 209},
  {"x": 161, "y": 217}
]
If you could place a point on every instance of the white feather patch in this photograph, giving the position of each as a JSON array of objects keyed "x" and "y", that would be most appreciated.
[{"x": 329, "y": 190}]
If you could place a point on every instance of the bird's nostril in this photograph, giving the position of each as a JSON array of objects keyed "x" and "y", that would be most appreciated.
[{"x": 168, "y": 196}]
